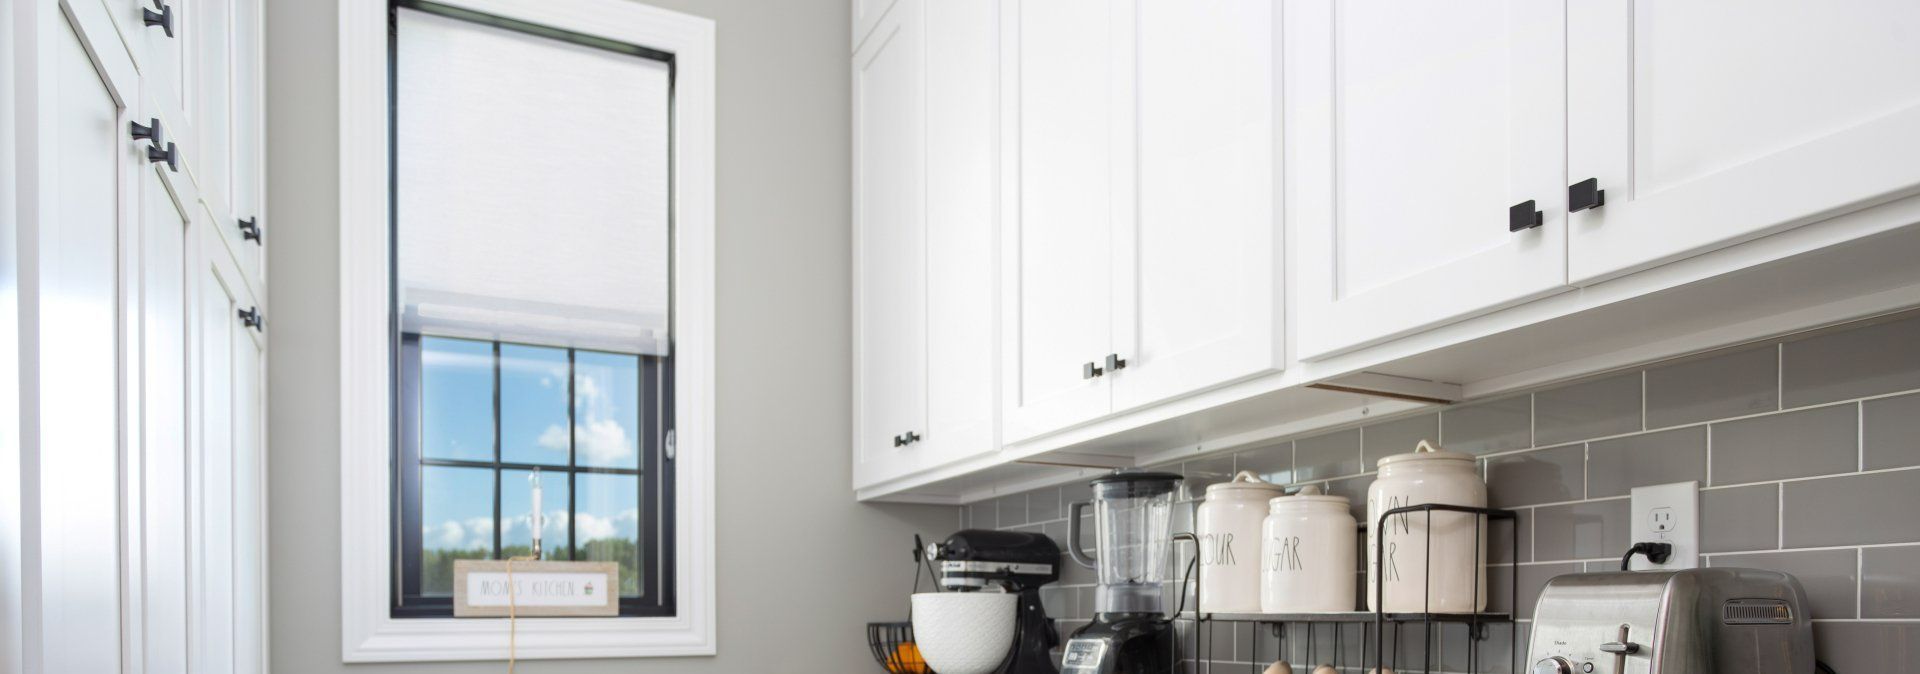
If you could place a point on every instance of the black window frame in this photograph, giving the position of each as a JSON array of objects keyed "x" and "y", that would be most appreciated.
[{"x": 657, "y": 488}]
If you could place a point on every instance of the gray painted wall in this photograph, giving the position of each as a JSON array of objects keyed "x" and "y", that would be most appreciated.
[{"x": 802, "y": 566}]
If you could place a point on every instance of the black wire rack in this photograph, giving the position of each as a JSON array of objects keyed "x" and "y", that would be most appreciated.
[{"x": 1377, "y": 624}]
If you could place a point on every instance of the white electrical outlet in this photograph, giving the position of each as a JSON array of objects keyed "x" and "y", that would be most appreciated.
[{"x": 1668, "y": 513}]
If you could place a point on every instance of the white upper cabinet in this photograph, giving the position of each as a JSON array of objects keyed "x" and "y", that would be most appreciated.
[
  {"x": 963, "y": 238},
  {"x": 1143, "y": 247},
  {"x": 1711, "y": 122},
  {"x": 1059, "y": 210},
  {"x": 890, "y": 247},
  {"x": 1199, "y": 303},
  {"x": 1413, "y": 130}
]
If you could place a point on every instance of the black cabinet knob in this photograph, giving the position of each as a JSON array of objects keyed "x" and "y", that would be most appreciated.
[
  {"x": 1091, "y": 370},
  {"x": 150, "y": 131},
  {"x": 252, "y": 318},
  {"x": 899, "y": 440},
  {"x": 162, "y": 18},
  {"x": 250, "y": 230},
  {"x": 1584, "y": 195},
  {"x": 912, "y": 437},
  {"x": 1115, "y": 362},
  {"x": 1523, "y": 216},
  {"x": 169, "y": 156}
]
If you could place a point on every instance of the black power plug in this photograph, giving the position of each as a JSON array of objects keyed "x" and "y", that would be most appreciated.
[{"x": 1654, "y": 551}]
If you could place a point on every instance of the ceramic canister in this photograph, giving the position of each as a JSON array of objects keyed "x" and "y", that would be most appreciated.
[
  {"x": 1229, "y": 524},
  {"x": 1306, "y": 554},
  {"x": 1454, "y": 566}
]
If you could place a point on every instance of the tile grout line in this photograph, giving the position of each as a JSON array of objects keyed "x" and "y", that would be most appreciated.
[
  {"x": 1780, "y": 517},
  {"x": 1860, "y": 439}
]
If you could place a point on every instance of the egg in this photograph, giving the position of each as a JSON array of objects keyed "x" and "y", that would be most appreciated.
[
  {"x": 1279, "y": 667},
  {"x": 1382, "y": 670},
  {"x": 1325, "y": 669}
]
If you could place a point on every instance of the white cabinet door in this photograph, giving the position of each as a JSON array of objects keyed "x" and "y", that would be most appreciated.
[
  {"x": 962, "y": 135},
  {"x": 224, "y": 467},
  {"x": 71, "y": 313},
  {"x": 890, "y": 276},
  {"x": 208, "y": 103},
  {"x": 1058, "y": 210},
  {"x": 1411, "y": 129},
  {"x": 248, "y": 164},
  {"x": 1202, "y": 305},
  {"x": 1712, "y": 122},
  {"x": 164, "y": 235}
]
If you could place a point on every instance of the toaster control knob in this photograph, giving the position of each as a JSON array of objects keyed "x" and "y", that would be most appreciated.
[{"x": 1553, "y": 665}]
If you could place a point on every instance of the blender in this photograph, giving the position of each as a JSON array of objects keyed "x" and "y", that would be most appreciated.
[{"x": 1130, "y": 632}]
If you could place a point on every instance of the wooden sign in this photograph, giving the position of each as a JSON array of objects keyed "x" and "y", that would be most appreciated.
[{"x": 538, "y": 589}]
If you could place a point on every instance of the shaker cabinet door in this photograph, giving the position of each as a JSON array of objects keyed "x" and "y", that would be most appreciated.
[
  {"x": 963, "y": 239},
  {"x": 1202, "y": 246},
  {"x": 1415, "y": 132},
  {"x": 1708, "y": 123},
  {"x": 890, "y": 245}
]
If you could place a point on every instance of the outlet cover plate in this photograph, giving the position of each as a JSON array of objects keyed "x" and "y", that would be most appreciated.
[{"x": 1668, "y": 513}]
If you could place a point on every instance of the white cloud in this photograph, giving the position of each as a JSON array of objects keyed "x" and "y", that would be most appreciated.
[
  {"x": 452, "y": 535},
  {"x": 590, "y": 527},
  {"x": 555, "y": 438},
  {"x": 601, "y": 439},
  {"x": 604, "y": 441}
]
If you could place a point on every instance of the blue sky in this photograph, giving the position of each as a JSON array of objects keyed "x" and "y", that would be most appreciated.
[{"x": 457, "y": 423}]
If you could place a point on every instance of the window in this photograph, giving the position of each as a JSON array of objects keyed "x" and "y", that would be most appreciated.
[
  {"x": 526, "y": 250},
  {"x": 532, "y": 298}
]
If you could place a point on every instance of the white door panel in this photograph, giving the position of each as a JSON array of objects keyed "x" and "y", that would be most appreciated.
[
  {"x": 164, "y": 236},
  {"x": 1412, "y": 129},
  {"x": 1058, "y": 260},
  {"x": 1200, "y": 306},
  {"x": 890, "y": 244},
  {"x": 210, "y": 625},
  {"x": 86, "y": 173},
  {"x": 962, "y": 109},
  {"x": 1704, "y": 130}
]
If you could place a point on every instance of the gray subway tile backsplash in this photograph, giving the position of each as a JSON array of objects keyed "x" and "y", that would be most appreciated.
[
  {"x": 1890, "y": 437},
  {"x": 1592, "y": 409},
  {"x": 1552, "y": 475},
  {"x": 1717, "y": 387},
  {"x": 1616, "y": 466},
  {"x": 1830, "y": 577},
  {"x": 1327, "y": 456},
  {"x": 1823, "y": 453},
  {"x": 1495, "y": 426},
  {"x": 1890, "y": 582},
  {"x": 1852, "y": 510},
  {"x": 1801, "y": 443},
  {"x": 1581, "y": 530},
  {"x": 1740, "y": 518},
  {"x": 1851, "y": 363},
  {"x": 1397, "y": 437}
]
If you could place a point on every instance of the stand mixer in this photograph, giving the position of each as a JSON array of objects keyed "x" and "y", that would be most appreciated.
[{"x": 977, "y": 561}]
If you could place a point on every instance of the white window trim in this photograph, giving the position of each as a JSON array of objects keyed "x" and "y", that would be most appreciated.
[{"x": 368, "y": 632}]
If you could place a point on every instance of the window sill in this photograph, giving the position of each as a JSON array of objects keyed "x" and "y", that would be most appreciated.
[{"x": 448, "y": 639}]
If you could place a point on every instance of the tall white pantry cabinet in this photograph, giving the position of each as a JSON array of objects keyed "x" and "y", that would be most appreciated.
[{"x": 135, "y": 476}]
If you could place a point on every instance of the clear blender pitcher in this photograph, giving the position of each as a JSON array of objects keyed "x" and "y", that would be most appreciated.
[{"x": 1132, "y": 513}]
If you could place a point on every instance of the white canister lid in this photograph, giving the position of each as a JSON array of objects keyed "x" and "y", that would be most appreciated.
[
  {"x": 1309, "y": 494},
  {"x": 1245, "y": 484},
  {"x": 1425, "y": 451}
]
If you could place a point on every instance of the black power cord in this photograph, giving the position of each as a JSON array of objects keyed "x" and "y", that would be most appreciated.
[
  {"x": 1655, "y": 552},
  {"x": 1823, "y": 667}
]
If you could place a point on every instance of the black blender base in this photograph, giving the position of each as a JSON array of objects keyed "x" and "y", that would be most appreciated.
[{"x": 1122, "y": 644}]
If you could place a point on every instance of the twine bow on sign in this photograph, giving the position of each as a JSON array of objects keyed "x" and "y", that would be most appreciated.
[{"x": 513, "y": 618}]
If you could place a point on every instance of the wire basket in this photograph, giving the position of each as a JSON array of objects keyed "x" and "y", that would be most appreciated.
[{"x": 893, "y": 647}]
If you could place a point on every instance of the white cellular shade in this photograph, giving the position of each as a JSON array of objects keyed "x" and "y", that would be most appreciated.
[{"x": 532, "y": 188}]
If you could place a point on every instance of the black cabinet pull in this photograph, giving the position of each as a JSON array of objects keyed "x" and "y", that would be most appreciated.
[
  {"x": 149, "y": 131},
  {"x": 169, "y": 156},
  {"x": 1584, "y": 195},
  {"x": 905, "y": 439},
  {"x": 1523, "y": 216},
  {"x": 899, "y": 440},
  {"x": 912, "y": 437},
  {"x": 162, "y": 18},
  {"x": 1090, "y": 370},
  {"x": 252, "y": 318},
  {"x": 1115, "y": 363},
  {"x": 250, "y": 230}
]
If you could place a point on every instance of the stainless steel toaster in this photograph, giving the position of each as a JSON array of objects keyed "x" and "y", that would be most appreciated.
[{"x": 1692, "y": 621}]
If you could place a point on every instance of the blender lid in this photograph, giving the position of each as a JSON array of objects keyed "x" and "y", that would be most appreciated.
[
  {"x": 1425, "y": 451},
  {"x": 1245, "y": 481},
  {"x": 1140, "y": 482}
]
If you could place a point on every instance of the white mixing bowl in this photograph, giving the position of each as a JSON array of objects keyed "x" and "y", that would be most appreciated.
[{"x": 964, "y": 632}]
